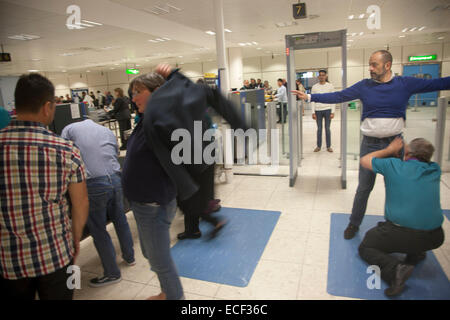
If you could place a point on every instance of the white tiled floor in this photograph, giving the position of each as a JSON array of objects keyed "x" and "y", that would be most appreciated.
[{"x": 294, "y": 264}]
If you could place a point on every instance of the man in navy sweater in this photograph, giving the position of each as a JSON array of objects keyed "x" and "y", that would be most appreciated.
[{"x": 385, "y": 98}]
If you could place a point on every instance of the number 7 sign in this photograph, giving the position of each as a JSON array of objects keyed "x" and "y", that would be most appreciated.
[{"x": 299, "y": 10}]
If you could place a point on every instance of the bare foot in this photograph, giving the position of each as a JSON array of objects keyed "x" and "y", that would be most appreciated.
[{"x": 161, "y": 296}]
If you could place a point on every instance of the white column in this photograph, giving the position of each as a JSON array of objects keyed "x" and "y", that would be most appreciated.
[
  {"x": 224, "y": 81},
  {"x": 236, "y": 68},
  {"x": 220, "y": 47}
]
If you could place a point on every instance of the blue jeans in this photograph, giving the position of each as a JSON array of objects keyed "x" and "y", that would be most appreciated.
[
  {"x": 366, "y": 177},
  {"x": 106, "y": 201},
  {"x": 324, "y": 114},
  {"x": 153, "y": 223}
]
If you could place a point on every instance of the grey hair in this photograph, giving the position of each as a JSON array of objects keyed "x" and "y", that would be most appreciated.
[
  {"x": 150, "y": 81},
  {"x": 421, "y": 149}
]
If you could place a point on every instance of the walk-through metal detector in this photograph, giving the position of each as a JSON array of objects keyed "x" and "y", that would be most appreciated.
[{"x": 313, "y": 40}]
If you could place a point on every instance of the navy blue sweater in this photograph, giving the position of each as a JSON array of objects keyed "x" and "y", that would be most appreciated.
[
  {"x": 384, "y": 100},
  {"x": 143, "y": 177}
]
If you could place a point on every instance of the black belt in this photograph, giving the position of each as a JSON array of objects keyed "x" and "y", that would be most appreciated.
[{"x": 375, "y": 139}]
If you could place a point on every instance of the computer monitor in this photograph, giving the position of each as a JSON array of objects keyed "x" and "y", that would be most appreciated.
[{"x": 66, "y": 114}]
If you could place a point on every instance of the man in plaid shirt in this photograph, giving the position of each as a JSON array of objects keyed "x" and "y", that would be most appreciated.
[{"x": 38, "y": 169}]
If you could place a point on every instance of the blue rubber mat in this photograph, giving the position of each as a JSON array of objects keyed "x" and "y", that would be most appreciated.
[
  {"x": 446, "y": 213},
  {"x": 348, "y": 274},
  {"x": 231, "y": 257}
]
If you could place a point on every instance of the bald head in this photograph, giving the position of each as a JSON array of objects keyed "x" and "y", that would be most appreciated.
[{"x": 385, "y": 55}]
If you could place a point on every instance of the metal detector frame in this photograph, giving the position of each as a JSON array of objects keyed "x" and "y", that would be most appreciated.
[{"x": 312, "y": 41}]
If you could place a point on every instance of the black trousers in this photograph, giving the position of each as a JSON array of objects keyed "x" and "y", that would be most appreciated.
[
  {"x": 124, "y": 125},
  {"x": 282, "y": 114},
  {"x": 194, "y": 207},
  {"x": 52, "y": 286},
  {"x": 388, "y": 238}
]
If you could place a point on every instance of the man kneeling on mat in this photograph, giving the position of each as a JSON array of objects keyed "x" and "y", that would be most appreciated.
[{"x": 412, "y": 211}]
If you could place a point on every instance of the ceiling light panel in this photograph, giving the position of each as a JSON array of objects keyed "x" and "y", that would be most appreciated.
[
  {"x": 24, "y": 37},
  {"x": 157, "y": 40},
  {"x": 286, "y": 24},
  {"x": 92, "y": 22},
  {"x": 162, "y": 9}
]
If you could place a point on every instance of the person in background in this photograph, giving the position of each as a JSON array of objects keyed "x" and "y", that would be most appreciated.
[
  {"x": 252, "y": 83},
  {"x": 385, "y": 98},
  {"x": 68, "y": 99},
  {"x": 322, "y": 111},
  {"x": 87, "y": 99},
  {"x": 122, "y": 114},
  {"x": 282, "y": 100},
  {"x": 134, "y": 108},
  {"x": 246, "y": 85},
  {"x": 284, "y": 83},
  {"x": 38, "y": 241},
  {"x": 412, "y": 211},
  {"x": 101, "y": 99},
  {"x": 99, "y": 150},
  {"x": 152, "y": 194},
  {"x": 108, "y": 98},
  {"x": 5, "y": 118},
  {"x": 259, "y": 84},
  {"x": 267, "y": 88},
  {"x": 299, "y": 87}
]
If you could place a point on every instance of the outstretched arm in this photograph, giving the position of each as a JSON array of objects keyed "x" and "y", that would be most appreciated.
[
  {"x": 415, "y": 85},
  {"x": 348, "y": 94}
]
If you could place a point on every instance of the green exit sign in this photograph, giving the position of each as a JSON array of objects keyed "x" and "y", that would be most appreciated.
[
  {"x": 428, "y": 57},
  {"x": 132, "y": 71}
]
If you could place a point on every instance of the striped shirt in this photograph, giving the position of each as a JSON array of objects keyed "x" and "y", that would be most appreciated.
[{"x": 36, "y": 168}]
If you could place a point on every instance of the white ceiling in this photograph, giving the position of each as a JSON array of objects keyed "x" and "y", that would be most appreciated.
[{"x": 129, "y": 24}]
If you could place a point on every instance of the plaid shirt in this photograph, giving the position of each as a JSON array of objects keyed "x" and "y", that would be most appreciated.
[{"x": 36, "y": 167}]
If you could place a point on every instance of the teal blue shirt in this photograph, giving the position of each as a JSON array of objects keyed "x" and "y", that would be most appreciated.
[
  {"x": 4, "y": 118},
  {"x": 412, "y": 192}
]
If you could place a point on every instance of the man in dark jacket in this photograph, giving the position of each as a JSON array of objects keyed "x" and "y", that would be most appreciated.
[{"x": 178, "y": 104}]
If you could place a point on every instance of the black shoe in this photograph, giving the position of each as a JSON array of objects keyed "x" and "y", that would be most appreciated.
[
  {"x": 350, "y": 232},
  {"x": 402, "y": 273},
  {"x": 184, "y": 235},
  {"x": 414, "y": 259},
  {"x": 103, "y": 281}
]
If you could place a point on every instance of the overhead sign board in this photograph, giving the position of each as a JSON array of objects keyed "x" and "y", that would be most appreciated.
[
  {"x": 132, "y": 71},
  {"x": 428, "y": 57},
  {"x": 299, "y": 10},
  {"x": 5, "y": 57}
]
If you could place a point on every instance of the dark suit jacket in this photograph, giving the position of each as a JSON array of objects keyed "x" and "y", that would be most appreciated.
[
  {"x": 177, "y": 104},
  {"x": 121, "y": 110}
]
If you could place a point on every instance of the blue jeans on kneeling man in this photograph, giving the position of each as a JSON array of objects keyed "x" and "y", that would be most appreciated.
[{"x": 106, "y": 202}]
